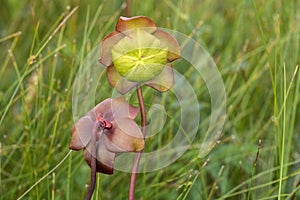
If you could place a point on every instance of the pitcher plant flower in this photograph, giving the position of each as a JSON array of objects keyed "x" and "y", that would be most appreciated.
[
  {"x": 136, "y": 53},
  {"x": 116, "y": 130}
]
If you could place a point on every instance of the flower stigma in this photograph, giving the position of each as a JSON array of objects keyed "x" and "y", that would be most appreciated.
[{"x": 103, "y": 123}]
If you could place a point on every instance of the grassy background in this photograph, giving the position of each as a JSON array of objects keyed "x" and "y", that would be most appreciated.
[{"x": 256, "y": 46}]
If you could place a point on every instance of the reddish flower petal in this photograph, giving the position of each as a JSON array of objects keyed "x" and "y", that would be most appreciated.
[
  {"x": 125, "y": 24},
  {"x": 106, "y": 45},
  {"x": 164, "y": 80},
  {"x": 117, "y": 81},
  {"x": 105, "y": 158},
  {"x": 81, "y": 133},
  {"x": 171, "y": 42},
  {"x": 112, "y": 109},
  {"x": 103, "y": 109},
  {"x": 122, "y": 109},
  {"x": 125, "y": 136}
]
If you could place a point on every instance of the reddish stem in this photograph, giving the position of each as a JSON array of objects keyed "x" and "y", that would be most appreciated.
[
  {"x": 139, "y": 154},
  {"x": 93, "y": 153},
  {"x": 127, "y": 8},
  {"x": 142, "y": 108}
]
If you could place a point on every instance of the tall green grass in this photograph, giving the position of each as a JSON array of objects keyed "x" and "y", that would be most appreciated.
[{"x": 256, "y": 46}]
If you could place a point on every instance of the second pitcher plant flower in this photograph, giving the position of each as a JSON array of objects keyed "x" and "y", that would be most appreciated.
[
  {"x": 137, "y": 52},
  {"x": 120, "y": 132}
]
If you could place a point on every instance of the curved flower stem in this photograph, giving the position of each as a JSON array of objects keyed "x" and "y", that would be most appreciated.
[
  {"x": 93, "y": 153},
  {"x": 139, "y": 154},
  {"x": 142, "y": 109},
  {"x": 127, "y": 8}
]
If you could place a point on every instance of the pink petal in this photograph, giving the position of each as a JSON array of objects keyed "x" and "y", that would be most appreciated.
[
  {"x": 164, "y": 80},
  {"x": 81, "y": 133},
  {"x": 125, "y": 24},
  {"x": 171, "y": 42},
  {"x": 117, "y": 81},
  {"x": 105, "y": 158},
  {"x": 112, "y": 109},
  {"x": 122, "y": 109},
  {"x": 125, "y": 136},
  {"x": 102, "y": 109},
  {"x": 106, "y": 46}
]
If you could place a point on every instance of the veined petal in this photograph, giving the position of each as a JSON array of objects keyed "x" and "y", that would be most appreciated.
[
  {"x": 117, "y": 81},
  {"x": 171, "y": 43},
  {"x": 123, "y": 109},
  {"x": 106, "y": 45},
  {"x": 112, "y": 109},
  {"x": 125, "y": 24},
  {"x": 105, "y": 158},
  {"x": 102, "y": 109},
  {"x": 164, "y": 80},
  {"x": 81, "y": 133},
  {"x": 125, "y": 136}
]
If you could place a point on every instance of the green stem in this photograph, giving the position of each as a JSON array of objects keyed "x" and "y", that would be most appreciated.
[
  {"x": 282, "y": 148},
  {"x": 139, "y": 154}
]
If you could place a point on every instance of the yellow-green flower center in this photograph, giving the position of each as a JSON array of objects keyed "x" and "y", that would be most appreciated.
[{"x": 139, "y": 56}]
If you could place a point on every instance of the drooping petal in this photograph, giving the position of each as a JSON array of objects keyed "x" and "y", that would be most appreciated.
[
  {"x": 101, "y": 109},
  {"x": 81, "y": 133},
  {"x": 125, "y": 136},
  {"x": 105, "y": 158},
  {"x": 117, "y": 81},
  {"x": 125, "y": 24},
  {"x": 111, "y": 109},
  {"x": 171, "y": 43},
  {"x": 164, "y": 80},
  {"x": 106, "y": 45},
  {"x": 123, "y": 109}
]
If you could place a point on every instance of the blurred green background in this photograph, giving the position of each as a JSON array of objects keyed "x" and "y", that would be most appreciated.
[{"x": 256, "y": 47}]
